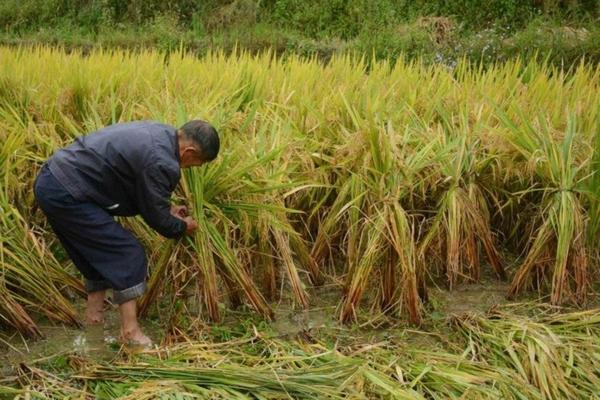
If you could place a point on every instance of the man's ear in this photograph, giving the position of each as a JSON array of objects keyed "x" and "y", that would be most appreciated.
[
  {"x": 192, "y": 155},
  {"x": 197, "y": 152},
  {"x": 189, "y": 151}
]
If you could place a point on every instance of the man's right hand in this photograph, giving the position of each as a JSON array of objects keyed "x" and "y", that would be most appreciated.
[{"x": 191, "y": 225}]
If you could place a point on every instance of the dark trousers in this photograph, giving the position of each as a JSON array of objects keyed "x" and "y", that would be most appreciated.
[{"x": 105, "y": 253}]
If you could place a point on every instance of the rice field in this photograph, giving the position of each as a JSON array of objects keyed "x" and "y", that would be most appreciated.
[{"x": 365, "y": 182}]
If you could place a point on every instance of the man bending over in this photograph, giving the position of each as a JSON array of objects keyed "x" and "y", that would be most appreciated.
[{"x": 121, "y": 170}]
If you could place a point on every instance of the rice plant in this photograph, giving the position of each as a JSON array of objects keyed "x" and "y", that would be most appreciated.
[
  {"x": 371, "y": 177},
  {"x": 594, "y": 190},
  {"x": 558, "y": 251},
  {"x": 461, "y": 229},
  {"x": 377, "y": 233},
  {"x": 31, "y": 279}
]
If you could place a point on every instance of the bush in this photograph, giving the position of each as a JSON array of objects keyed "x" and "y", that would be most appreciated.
[
  {"x": 315, "y": 18},
  {"x": 405, "y": 40},
  {"x": 480, "y": 14},
  {"x": 340, "y": 18}
]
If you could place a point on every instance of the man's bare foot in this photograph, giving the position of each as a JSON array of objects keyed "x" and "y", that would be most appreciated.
[
  {"x": 131, "y": 333},
  {"x": 94, "y": 313},
  {"x": 135, "y": 337},
  {"x": 94, "y": 317}
]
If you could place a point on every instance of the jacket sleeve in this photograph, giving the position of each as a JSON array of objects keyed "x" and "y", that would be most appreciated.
[{"x": 153, "y": 192}]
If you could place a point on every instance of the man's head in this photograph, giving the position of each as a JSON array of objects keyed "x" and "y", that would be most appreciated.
[{"x": 198, "y": 143}]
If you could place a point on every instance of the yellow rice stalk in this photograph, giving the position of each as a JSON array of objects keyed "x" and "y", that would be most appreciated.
[{"x": 283, "y": 246}]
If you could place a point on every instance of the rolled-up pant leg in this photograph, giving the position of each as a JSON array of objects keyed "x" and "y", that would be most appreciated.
[{"x": 105, "y": 252}]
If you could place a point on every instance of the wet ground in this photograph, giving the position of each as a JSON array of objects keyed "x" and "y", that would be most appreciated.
[
  {"x": 474, "y": 297},
  {"x": 100, "y": 342}
]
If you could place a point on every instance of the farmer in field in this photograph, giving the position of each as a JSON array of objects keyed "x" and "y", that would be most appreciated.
[{"x": 122, "y": 170}]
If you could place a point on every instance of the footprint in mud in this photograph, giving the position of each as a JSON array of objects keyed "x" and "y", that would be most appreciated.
[{"x": 475, "y": 297}]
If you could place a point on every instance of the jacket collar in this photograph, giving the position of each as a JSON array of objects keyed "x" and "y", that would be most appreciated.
[{"x": 175, "y": 139}]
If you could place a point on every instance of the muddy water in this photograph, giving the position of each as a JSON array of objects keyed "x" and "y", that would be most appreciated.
[
  {"x": 289, "y": 321},
  {"x": 57, "y": 339},
  {"x": 98, "y": 342},
  {"x": 475, "y": 297},
  {"x": 321, "y": 315}
]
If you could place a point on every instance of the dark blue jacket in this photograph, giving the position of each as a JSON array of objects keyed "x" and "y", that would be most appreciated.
[{"x": 127, "y": 169}]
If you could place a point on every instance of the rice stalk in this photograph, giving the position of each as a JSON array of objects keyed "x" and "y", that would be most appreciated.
[
  {"x": 381, "y": 236},
  {"x": 30, "y": 276},
  {"x": 554, "y": 354}
]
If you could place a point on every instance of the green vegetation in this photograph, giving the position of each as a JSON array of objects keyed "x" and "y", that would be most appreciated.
[{"x": 437, "y": 31}]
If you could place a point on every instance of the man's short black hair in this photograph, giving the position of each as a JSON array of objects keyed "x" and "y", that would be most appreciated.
[{"x": 205, "y": 136}]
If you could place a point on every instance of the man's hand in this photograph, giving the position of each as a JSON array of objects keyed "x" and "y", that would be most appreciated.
[
  {"x": 192, "y": 225},
  {"x": 179, "y": 211}
]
